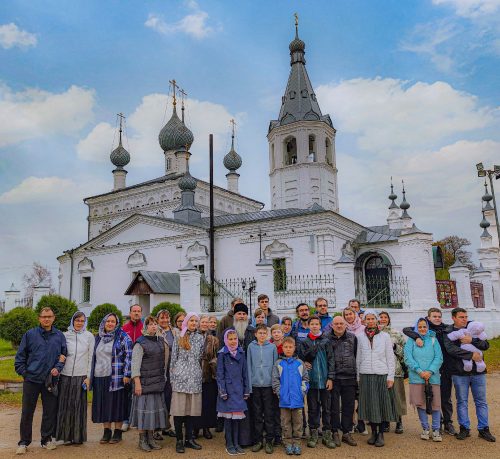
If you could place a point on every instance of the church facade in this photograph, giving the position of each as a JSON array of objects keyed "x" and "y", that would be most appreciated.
[{"x": 149, "y": 242}]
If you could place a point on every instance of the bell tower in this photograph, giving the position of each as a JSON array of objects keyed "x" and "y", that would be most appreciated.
[{"x": 302, "y": 160}]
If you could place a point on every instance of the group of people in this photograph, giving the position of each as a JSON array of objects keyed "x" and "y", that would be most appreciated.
[{"x": 263, "y": 380}]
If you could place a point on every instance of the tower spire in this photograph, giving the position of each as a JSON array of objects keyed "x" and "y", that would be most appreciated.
[
  {"x": 232, "y": 161},
  {"x": 393, "y": 198},
  {"x": 296, "y": 25},
  {"x": 174, "y": 86},
  {"x": 183, "y": 96},
  {"x": 119, "y": 158},
  {"x": 405, "y": 205},
  {"x": 122, "y": 117}
]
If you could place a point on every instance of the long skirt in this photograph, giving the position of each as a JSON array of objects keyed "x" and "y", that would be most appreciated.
[
  {"x": 399, "y": 394},
  {"x": 148, "y": 411},
  {"x": 107, "y": 406},
  {"x": 72, "y": 411},
  {"x": 376, "y": 403},
  {"x": 208, "y": 418},
  {"x": 185, "y": 404}
]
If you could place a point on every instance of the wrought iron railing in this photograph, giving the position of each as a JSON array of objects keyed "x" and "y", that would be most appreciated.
[
  {"x": 380, "y": 292},
  {"x": 295, "y": 289},
  {"x": 225, "y": 290},
  {"x": 23, "y": 302}
]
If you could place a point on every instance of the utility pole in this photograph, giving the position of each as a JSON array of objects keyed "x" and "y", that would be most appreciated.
[{"x": 212, "y": 229}]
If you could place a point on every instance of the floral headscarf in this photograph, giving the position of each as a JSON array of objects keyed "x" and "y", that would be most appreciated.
[
  {"x": 71, "y": 326},
  {"x": 108, "y": 336}
]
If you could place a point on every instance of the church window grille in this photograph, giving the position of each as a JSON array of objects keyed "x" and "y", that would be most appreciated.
[
  {"x": 279, "y": 267},
  {"x": 312, "y": 149},
  {"x": 291, "y": 151},
  {"x": 169, "y": 164},
  {"x": 86, "y": 283}
]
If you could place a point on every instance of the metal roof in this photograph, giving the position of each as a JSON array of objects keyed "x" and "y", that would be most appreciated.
[
  {"x": 158, "y": 282},
  {"x": 374, "y": 234}
]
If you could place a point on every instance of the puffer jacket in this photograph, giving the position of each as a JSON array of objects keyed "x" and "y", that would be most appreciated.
[
  {"x": 318, "y": 353},
  {"x": 290, "y": 382},
  {"x": 344, "y": 350},
  {"x": 80, "y": 351},
  {"x": 260, "y": 362},
  {"x": 426, "y": 358},
  {"x": 376, "y": 358}
]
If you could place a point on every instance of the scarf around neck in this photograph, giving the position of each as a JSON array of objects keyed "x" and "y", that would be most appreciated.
[
  {"x": 232, "y": 349},
  {"x": 108, "y": 336},
  {"x": 314, "y": 337},
  {"x": 371, "y": 332}
]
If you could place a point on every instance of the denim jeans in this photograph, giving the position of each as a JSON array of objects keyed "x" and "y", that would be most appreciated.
[
  {"x": 477, "y": 384},
  {"x": 424, "y": 420}
]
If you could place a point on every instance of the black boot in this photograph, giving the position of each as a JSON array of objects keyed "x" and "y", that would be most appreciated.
[
  {"x": 207, "y": 434},
  {"x": 373, "y": 436},
  {"x": 380, "y": 439},
  {"x": 143, "y": 442},
  {"x": 106, "y": 436},
  {"x": 192, "y": 444},
  {"x": 399, "y": 426},
  {"x": 117, "y": 436},
  {"x": 179, "y": 446},
  {"x": 386, "y": 426},
  {"x": 151, "y": 440}
]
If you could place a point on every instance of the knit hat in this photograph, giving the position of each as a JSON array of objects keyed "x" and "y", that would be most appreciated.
[{"x": 240, "y": 307}]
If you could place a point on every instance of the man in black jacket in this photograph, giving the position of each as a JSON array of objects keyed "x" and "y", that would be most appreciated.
[
  {"x": 435, "y": 320},
  {"x": 342, "y": 377},
  {"x": 38, "y": 356},
  {"x": 463, "y": 380}
]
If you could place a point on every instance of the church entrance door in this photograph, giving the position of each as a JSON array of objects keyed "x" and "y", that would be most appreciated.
[{"x": 378, "y": 292}]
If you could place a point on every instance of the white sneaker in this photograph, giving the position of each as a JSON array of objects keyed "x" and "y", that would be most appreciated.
[
  {"x": 424, "y": 435},
  {"x": 21, "y": 449},
  {"x": 125, "y": 427},
  {"x": 436, "y": 436},
  {"x": 50, "y": 445}
]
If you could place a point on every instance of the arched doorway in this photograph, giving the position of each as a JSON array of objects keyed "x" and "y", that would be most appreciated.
[{"x": 377, "y": 275}]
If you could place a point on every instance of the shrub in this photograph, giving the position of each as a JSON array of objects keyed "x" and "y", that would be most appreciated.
[
  {"x": 99, "y": 312},
  {"x": 14, "y": 324},
  {"x": 62, "y": 307},
  {"x": 173, "y": 308}
]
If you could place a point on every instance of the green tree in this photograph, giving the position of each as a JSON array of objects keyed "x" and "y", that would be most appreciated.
[
  {"x": 99, "y": 312},
  {"x": 62, "y": 307},
  {"x": 452, "y": 248},
  {"x": 14, "y": 324},
  {"x": 173, "y": 308}
]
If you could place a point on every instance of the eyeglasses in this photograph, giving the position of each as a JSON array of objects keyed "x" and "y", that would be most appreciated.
[
  {"x": 46, "y": 317},
  {"x": 322, "y": 305}
]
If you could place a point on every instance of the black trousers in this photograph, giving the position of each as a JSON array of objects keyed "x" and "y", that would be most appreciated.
[
  {"x": 263, "y": 416},
  {"x": 446, "y": 404},
  {"x": 31, "y": 391},
  {"x": 343, "y": 398},
  {"x": 318, "y": 403},
  {"x": 277, "y": 419}
]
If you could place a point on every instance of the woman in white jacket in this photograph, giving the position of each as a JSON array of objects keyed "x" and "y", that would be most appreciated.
[
  {"x": 74, "y": 381},
  {"x": 376, "y": 366}
]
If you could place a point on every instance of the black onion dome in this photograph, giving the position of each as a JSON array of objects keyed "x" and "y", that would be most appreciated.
[{"x": 175, "y": 134}]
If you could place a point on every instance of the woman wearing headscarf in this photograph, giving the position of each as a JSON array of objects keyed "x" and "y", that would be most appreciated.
[
  {"x": 149, "y": 364},
  {"x": 398, "y": 345},
  {"x": 376, "y": 365},
  {"x": 423, "y": 367},
  {"x": 111, "y": 369},
  {"x": 165, "y": 329},
  {"x": 208, "y": 418},
  {"x": 186, "y": 379},
  {"x": 354, "y": 322},
  {"x": 74, "y": 382}
]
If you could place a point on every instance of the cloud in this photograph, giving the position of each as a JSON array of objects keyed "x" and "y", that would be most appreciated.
[
  {"x": 11, "y": 35},
  {"x": 389, "y": 115},
  {"x": 193, "y": 24},
  {"x": 36, "y": 189},
  {"x": 145, "y": 123},
  {"x": 471, "y": 8},
  {"x": 34, "y": 113}
]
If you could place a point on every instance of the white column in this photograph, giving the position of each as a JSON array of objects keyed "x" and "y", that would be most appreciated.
[
  {"x": 38, "y": 292},
  {"x": 344, "y": 283},
  {"x": 119, "y": 178},
  {"x": 461, "y": 275},
  {"x": 190, "y": 288},
  {"x": 232, "y": 181},
  {"x": 11, "y": 296},
  {"x": 265, "y": 280}
]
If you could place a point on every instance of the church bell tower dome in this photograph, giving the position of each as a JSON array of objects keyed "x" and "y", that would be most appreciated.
[{"x": 175, "y": 134}]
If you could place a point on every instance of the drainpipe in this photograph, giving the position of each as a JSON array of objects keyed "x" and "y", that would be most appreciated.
[{"x": 70, "y": 253}]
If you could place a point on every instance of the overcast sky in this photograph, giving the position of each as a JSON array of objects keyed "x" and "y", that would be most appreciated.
[{"x": 412, "y": 88}]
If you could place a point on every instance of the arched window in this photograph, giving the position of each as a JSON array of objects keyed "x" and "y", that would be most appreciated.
[
  {"x": 290, "y": 151},
  {"x": 329, "y": 155},
  {"x": 312, "y": 149},
  {"x": 169, "y": 164},
  {"x": 378, "y": 291}
]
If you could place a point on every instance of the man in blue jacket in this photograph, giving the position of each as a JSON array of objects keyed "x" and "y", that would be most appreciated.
[{"x": 39, "y": 358}]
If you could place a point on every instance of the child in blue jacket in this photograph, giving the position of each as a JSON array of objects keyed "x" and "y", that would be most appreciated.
[{"x": 290, "y": 384}]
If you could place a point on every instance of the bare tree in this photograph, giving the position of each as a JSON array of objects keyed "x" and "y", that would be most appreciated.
[
  {"x": 453, "y": 247},
  {"x": 39, "y": 275}
]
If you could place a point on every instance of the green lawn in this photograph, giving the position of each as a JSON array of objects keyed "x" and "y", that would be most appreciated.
[
  {"x": 7, "y": 372},
  {"x": 492, "y": 355},
  {"x": 6, "y": 348}
]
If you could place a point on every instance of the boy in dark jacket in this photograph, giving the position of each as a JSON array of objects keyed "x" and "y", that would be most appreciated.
[
  {"x": 290, "y": 385},
  {"x": 315, "y": 351},
  {"x": 37, "y": 360}
]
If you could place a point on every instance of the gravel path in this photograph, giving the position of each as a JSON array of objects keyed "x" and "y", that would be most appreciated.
[{"x": 405, "y": 446}]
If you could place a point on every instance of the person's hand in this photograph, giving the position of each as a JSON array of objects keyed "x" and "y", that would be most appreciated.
[
  {"x": 308, "y": 365},
  {"x": 425, "y": 375},
  {"x": 419, "y": 342},
  {"x": 329, "y": 385},
  {"x": 54, "y": 372},
  {"x": 126, "y": 380},
  {"x": 62, "y": 358},
  {"x": 138, "y": 388},
  {"x": 86, "y": 382},
  {"x": 246, "y": 396},
  {"x": 390, "y": 384},
  {"x": 467, "y": 339},
  {"x": 476, "y": 356}
]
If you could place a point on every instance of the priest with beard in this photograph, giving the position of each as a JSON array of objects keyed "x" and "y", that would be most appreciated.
[{"x": 246, "y": 334}]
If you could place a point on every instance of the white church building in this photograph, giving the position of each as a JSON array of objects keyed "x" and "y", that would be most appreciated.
[{"x": 150, "y": 242}]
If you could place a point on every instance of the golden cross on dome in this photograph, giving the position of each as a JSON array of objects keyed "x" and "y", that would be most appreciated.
[{"x": 175, "y": 86}]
